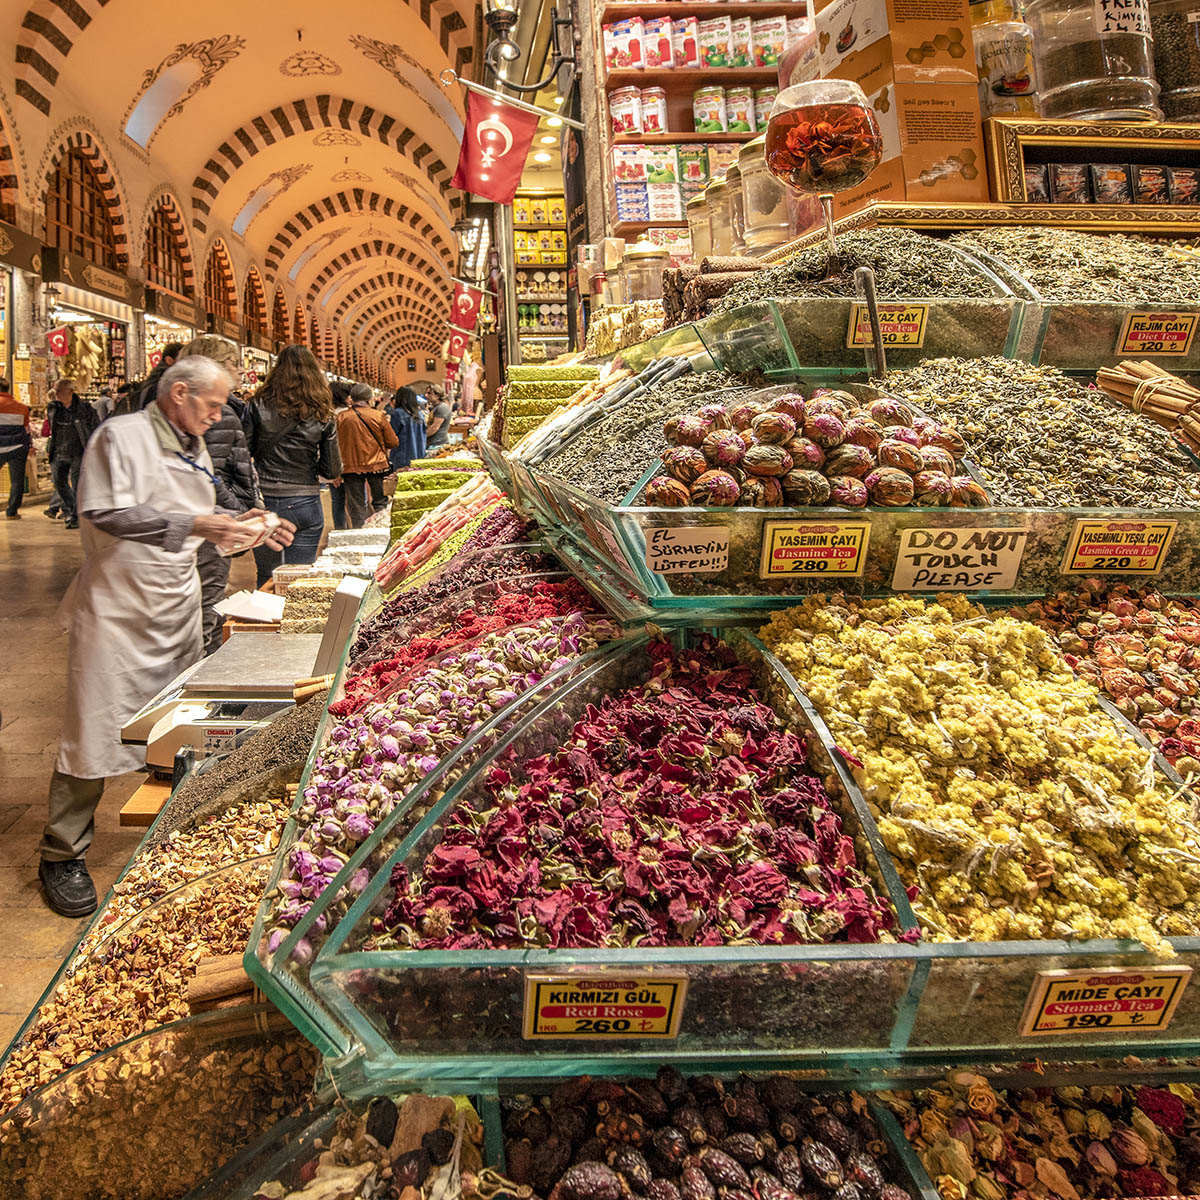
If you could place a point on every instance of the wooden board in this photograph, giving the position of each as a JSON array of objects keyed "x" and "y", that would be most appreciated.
[{"x": 145, "y": 804}]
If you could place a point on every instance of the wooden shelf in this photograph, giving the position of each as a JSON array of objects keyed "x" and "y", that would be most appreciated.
[
  {"x": 701, "y": 8},
  {"x": 625, "y": 228},
  {"x": 690, "y": 78},
  {"x": 542, "y": 337},
  {"x": 560, "y": 227},
  {"x": 680, "y": 139},
  {"x": 542, "y": 299}
]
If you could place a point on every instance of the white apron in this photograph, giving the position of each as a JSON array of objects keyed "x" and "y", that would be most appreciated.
[{"x": 133, "y": 611}]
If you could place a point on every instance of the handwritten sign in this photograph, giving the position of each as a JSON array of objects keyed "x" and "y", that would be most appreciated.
[
  {"x": 1118, "y": 547},
  {"x": 958, "y": 559},
  {"x": 899, "y": 325},
  {"x": 603, "y": 1005},
  {"x": 682, "y": 550},
  {"x": 837, "y": 548},
  {"x": 1157, "y": 333},
  {"x": 1122, "y": 16},
  {"x": 1103, "y": 1000}
]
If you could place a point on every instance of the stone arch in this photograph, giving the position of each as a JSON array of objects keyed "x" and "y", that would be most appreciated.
[
  {"x": 47, "y": 35},
  {"x": 304, "y": 116},
  {"x": 281, "y": 317},
  {"x": 363, "y": 254},
  {"x": 300, "y": 327},
  {"x": 254, "y": 301},
  {"x": 400, "y": 306},
  {"x": 163, "y": 197},
  {"x": 89, "y": 145},
  {"x": 389, "y": 283},
  {"x": 218, "y": 251}
]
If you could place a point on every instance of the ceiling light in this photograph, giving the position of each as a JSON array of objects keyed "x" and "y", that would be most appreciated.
[
  {"x": 548, "y": 140},
  {"x": 554, "y": 122},
  {"x": 541, "y": 156},
  {"x": 558, "y": 99}
]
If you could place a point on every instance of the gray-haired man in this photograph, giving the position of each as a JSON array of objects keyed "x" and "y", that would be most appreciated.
[{"x": 146, "y": 500}]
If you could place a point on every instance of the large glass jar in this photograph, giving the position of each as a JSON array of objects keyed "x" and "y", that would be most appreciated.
[
  {"x": 719, "y": 217},
  {"x": 764, "y": 199},
  {"x": 737, "y": 216},
  {"x": 1176, "y": 28},
  {"x": 1094, "y": 61},
  {"x": 699, "y": 228},
  {"x": 643, "y": 270}
]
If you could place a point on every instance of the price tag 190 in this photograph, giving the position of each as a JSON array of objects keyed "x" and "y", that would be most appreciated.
[
  {"x": 603, "y": 1005},
  {"x": 1118, "y": 547},
  {"x": 823, "y": 548},
  {"x": 1157, "y": 333},
  {"x": 1103, "y": 1000}
]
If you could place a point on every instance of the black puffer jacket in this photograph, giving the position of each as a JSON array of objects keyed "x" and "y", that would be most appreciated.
[
  {"x": 230, "y": 456},
  {"x": 291, "y": 453}
]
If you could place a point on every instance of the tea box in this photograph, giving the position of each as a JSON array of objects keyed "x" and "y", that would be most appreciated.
[
  {"x": 656, "y": 42},
  {"x": 739, "y": 110},
  {"x": 625, "y": 109},
  {"x": 623, "y": 43},
  {"x": 716, "y": 41},
  {"x": 685, "y": 41},
  {"x": 654, "y": 110},
  {"x": 708, "y": 110},
  {"x": 742, "y": 46},
  {"x": 770, "y": 36}
]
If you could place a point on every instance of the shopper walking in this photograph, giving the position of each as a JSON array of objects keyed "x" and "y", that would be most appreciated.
[
  {"x": 409, "y": 427},
  {"x": 438, "y": 429},
  {"x": 337, "y": 489},
  {"x": 365, "y": 437},
  {"x": 293, "y": 441},
  {"x": 16, "y": 441},
  {"x": 147, "y": 497},
  {"x": 236, "y": 483},
  {"x": 72, "y": 423},
  {"x": 170, "y": 355}
]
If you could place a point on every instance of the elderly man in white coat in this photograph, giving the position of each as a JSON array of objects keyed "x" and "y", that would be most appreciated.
[{"x": 147, "y": 498}]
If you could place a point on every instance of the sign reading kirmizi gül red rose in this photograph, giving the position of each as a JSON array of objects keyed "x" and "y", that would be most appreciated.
[{"x": 603, "y": 1005}]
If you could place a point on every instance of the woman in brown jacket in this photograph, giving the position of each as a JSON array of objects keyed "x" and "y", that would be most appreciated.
[{"x": 365, "y": 436}]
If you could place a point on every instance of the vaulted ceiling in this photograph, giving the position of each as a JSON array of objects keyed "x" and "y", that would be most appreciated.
[{"x": 313, "y": 140}]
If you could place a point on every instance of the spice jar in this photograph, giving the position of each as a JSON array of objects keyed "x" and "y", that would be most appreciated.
[
  {"x": 1094, "y": 63},
  {"x": 716, "y": 196},
  {"x": 699, "y": 228},
  {"x": 642, "y": 268},
  {"x": 737, "y": 218},
  {"x": 764, "y": 199},
  {"x": 1176, "y": 28}
]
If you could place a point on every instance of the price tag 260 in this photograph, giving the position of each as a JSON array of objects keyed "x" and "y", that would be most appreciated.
[{"x": 603, "y": 1005}]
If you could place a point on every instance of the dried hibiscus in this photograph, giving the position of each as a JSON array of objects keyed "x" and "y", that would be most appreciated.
[{"x": 678, "y": 812}]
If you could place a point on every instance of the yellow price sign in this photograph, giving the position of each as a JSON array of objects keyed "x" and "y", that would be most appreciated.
[
  {"x": 603, "y": 1004},
  {"x": 833, "y": 548},
  {"x": 1103, "y": 1000},
  {"x": 1158, "y": 333},
  {"x": 1118, "y": 547},
  {"x": 899, "y": 325}
]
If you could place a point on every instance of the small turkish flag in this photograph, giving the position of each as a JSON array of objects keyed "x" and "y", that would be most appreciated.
[
  {"x": 496, "y": 140},
  {"x": 59, "y": 341},
  {"x": 459, "y": 339},
  {"x": 465, "y": 305},
  {"x": 451, "y": 373}
]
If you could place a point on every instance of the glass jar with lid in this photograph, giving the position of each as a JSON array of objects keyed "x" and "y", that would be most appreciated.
[
  {"x": 1176, "y": 28},
  {"x": 719, "y": 218},
  {"x": 699, "y": 228},
  {"x": 642, "y": 268},
  {"x": 764, "y": 199},
  {"x": 733, "y": 181},
  {"x": 1094, "y": 62}
]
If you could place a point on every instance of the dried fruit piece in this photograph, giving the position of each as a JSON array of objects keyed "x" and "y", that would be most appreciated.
[
  {"x": 861, "y": 1169},
  {"x": 745, "y": 1147},
  {"x": 695, "y": 1185},
  {"x": 381, "y": 1120},
  {"x": 723, "y": 1170},
  {"x": 820, "y": 1164},
  {"x": 689, "y": 1121},
  {"x": 670, "y": 1144},
  {"x": 671, "y": 1084},
  {"x": 662, "y": 1189},
  {"x": 773, "y": 427},
  {"x": 590, "y": 1181},
  {"x": 632, "y": 1164},
  {"x": 438, "y": 1144}
]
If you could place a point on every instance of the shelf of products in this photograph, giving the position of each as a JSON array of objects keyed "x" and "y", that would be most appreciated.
[
  {"x": 675, "y": 139},
  {"x": 689, "y": 8},
  {"x": 688, "y": 78}
]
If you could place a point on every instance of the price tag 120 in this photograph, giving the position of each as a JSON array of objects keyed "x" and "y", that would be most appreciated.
[
  {"x": 1158, "y": 333},
  {"x": 1103, "y": 1000},
  {"x": 603, "y": 1005}
]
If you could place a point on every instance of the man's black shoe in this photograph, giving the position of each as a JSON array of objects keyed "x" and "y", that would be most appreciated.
[{"x": 69, "y": 888}]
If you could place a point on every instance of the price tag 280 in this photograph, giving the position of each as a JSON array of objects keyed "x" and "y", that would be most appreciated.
[{"x": 603, "y": 1005}]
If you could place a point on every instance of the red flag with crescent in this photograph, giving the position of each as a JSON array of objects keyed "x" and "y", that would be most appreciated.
[
  {"x": 59, "y": 341},
  {"x": 451, "y": 373},
  {"x": 465, "y": 305},
  {"x": 459, "y": 340},
  {"x": 496, "y": 141}
]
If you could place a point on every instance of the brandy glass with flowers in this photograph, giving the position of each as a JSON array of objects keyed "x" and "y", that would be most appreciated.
[{"x": 822, "y": 137}]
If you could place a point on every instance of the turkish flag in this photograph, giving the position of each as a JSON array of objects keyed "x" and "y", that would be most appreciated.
[
  {"x": 59, "y": 341},
  {"x": 451, "y": 373},
  {"x": 465, "y": 305},
  {"x": 496, "y": 140},
  {"x": 459, "y": 340}
]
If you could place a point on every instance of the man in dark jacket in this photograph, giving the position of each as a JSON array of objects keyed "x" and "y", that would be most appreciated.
[
  {"x": 149, "y": 389},
  {"x": 72, "y": 422},
  {"x": 15, "y": 443}
]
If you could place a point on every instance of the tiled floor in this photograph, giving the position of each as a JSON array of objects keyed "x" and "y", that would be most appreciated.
[{"x": 38, "y": 557}]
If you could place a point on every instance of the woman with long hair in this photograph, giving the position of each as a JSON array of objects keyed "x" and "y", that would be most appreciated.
[
  {"x": 293, "y": 441},
  {"x": 409, "y": 427}
]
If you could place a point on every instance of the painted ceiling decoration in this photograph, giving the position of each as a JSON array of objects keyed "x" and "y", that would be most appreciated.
[{"x": 296, "y": 171}]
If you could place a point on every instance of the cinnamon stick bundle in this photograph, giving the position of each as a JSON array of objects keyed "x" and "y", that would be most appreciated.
[
  {"x": 710, "y": 287},
  {"x": 217, "y": 979},
  {"x": 720, "y": 263}
]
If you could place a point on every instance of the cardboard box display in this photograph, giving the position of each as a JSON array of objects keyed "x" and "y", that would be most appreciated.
[
  {"x": 1037, "y": 183},
  {"x": 770, "y": 38},
  {"x": 685, "y": 41},
  {"x": 1185, "y": 185},
  {"x": 1150, "y": 185},
  {"x": 664, "y": 202},
  {"x": 660, "y": 164},
  {"x": 716, "y": 41},
  {"x": 623, "y": 44},
  {"x": 742, "y": 44},
  {"x": 628, "y": 164},
  {"x": 721, "y": 156},
  {"x": 1110, "y": 183},
  {"x": 1070, "y": 183},
  {"x": 656, "y": 42},
  {"x": 693, "y": 166}
]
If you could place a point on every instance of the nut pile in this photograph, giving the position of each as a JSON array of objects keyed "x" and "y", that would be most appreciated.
[
  {"x": 1042, "y": 441},
  {"x": 1003, "y": 792},
  {"x": 828, "y": 449},
  {"x": 1142, "y": 650},
  {"x": 671, "y": 1138},
  {"x": 1065, "y": 1143},
  {"x": 134, "y": 984}
]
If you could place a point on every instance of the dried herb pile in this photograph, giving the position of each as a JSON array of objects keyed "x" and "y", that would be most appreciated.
[
  {"x": 1040, "y": 440},
  {"x": 907, "y": 265},
  {"x": 680, "y": 812},
  {"x": 671, "y": 1138},
  {"x": 371, "y": 759},
  {"x": 1066, "y": 265},
  {"x": 1141, "y": 650},
  {"x": 1005, "y": 795},
  {"x": 1063, "y": 1143},
  {"x": 606, "y": 459}
]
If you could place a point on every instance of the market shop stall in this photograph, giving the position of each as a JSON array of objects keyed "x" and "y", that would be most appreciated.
[
  {"x": 257, "y": 358},
  {"x": 170, "y": 319}
]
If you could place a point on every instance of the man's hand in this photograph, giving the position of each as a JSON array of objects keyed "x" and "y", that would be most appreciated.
[
  {"x": 224, "y": 532},
  {"x": 280, "y": 537}
]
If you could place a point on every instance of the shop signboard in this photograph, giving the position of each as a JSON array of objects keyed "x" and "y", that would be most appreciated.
[
  {"x": 19, "y": 249},
  {"x": 260, "y": 341},
  {"x": 60, "y": 267},
  {"x": 172, "y": 308},
  {"x": 227, "y": 329}
]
